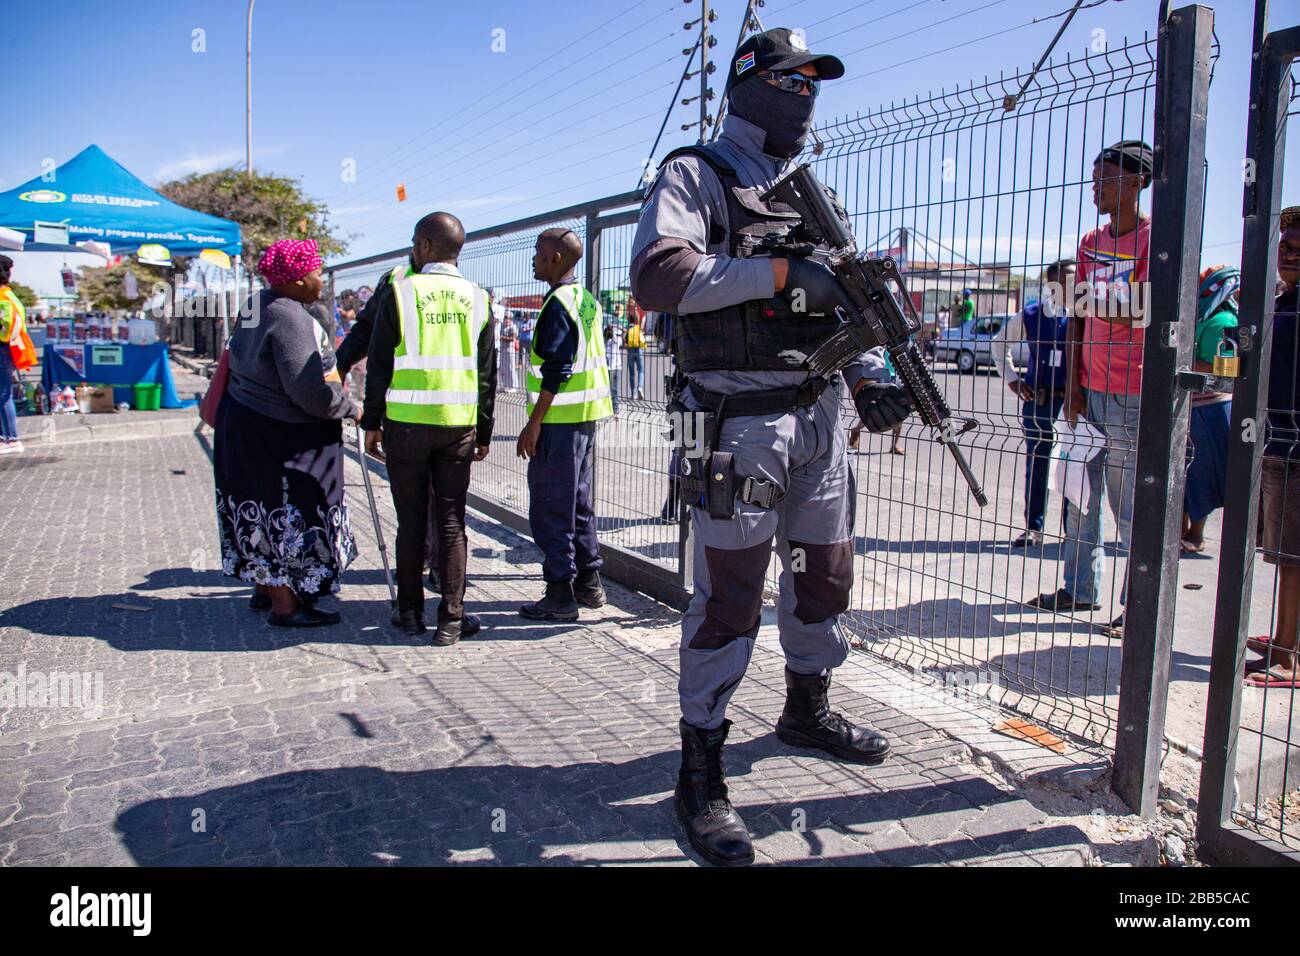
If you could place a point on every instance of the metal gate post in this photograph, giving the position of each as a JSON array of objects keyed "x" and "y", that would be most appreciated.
[
  {"x": 592, "y": 254},
  {"x": 1182, "y": 95},
  {"x": 1221, "y": 841}
]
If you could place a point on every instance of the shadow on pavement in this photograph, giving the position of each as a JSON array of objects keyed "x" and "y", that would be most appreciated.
[
  {"x": 578, "y": 814},
  {"x": 225, "y": 623}
]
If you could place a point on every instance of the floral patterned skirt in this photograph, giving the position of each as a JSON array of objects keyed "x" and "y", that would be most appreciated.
[{"x": 280, "y": 510}]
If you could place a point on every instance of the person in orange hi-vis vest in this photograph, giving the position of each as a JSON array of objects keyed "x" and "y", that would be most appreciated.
[{"x": 16, "y": 354}]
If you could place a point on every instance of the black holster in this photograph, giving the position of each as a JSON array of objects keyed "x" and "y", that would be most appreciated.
[{"x": 708, "y": 476}]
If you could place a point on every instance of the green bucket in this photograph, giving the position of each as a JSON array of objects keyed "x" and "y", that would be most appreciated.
[{"x": 148, "y": 397}]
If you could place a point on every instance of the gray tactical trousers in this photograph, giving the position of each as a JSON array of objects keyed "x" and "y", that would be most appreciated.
[{"x": 803, "y": 452}]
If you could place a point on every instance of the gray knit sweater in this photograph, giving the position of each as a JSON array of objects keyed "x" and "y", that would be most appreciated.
[{"x": 277, "y": 366}]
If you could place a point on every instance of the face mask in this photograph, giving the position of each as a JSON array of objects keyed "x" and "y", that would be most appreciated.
[{"x": 785, "y": 117}]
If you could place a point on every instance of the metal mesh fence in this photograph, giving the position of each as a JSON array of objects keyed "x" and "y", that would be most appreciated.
[
  {"x": 975, "y": 202},
  {"x": 1267, "y": 798}
]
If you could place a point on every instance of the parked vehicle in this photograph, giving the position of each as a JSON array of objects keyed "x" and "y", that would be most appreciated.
[{"x": 970, "y": 344}]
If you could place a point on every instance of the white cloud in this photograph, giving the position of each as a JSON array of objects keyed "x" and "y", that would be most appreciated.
[{"x": 207, "y": 162}]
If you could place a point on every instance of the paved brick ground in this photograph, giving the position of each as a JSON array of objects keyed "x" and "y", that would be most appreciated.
[{"x": 222, "y": 740}]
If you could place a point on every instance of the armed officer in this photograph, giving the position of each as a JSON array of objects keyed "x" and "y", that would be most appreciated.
[{"x": 774, "y": 464}]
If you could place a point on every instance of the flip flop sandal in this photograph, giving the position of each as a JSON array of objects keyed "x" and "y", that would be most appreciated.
[
  {"x": 1260, "y": 645},
  {"x": 1258, "y": 666},
  {"x": 1268, "y": 679},
  {"x": 1191, "y": 547}
]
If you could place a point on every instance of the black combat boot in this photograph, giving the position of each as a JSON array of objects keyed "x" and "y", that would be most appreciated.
[
  {"x": 558, "y": 604},
  {"x": 808, "y": 721},
  {"x": 712, "y": 824},
  {"x": 588, "y": 591}
]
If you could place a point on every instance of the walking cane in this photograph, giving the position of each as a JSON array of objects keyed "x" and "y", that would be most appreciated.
[{"x": 374, "y": 514}]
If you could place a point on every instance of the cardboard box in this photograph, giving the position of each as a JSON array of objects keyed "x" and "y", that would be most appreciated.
[{"x": 101, "y": 399}]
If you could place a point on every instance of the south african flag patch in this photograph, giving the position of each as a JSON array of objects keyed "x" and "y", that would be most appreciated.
[{"x": 744, "y": 63}]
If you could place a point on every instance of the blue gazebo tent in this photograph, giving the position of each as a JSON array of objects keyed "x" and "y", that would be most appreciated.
[{"x": 98, "y": 198}]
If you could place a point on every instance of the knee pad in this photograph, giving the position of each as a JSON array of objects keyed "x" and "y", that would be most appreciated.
[{"x": 822, "y": 588}]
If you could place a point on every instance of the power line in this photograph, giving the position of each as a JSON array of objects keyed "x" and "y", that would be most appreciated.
[
  {"x": 394, "y": 156},
  {"x": 481, "y": 148},
  {"x": 928, "y": 26},
  {"x": 392, "y": 215},
  {"x": 834, "y": 16},
  {"x": 443, "y": 184},
  {"x": 672, "y": 105},
  {"x": 892, "y": 13},
  {"x": 926, "y": 56}
]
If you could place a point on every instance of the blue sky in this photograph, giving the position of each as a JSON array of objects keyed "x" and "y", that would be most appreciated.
[{"x": 415, "y": 92}]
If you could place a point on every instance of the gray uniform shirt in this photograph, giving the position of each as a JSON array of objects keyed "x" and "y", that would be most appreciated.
[{"x": 676, "y": 270}]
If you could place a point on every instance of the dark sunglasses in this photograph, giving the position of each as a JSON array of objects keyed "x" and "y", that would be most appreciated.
[{"x": 793, "y": 82}]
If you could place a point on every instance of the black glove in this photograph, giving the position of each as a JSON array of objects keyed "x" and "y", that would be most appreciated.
[
  {"x": 813, "y": 289},
  {"x": 882, "y": 406}
]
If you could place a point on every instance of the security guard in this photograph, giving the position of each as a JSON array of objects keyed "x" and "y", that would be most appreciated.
[
  {"x": 351, "y": 351},
  {"x": 747, "y": 317},
  {"x": 568, "y": 393},
  {"x": 430, "y": 390}
]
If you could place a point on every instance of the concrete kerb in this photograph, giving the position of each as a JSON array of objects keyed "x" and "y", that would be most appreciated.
[{"x": 50, "y": 431}]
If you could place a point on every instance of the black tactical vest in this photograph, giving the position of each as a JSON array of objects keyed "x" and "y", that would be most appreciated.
[{"x": 762, "y": 334}]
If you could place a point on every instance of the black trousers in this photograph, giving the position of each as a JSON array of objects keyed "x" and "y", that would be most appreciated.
[{"x": 421, "y": 457}]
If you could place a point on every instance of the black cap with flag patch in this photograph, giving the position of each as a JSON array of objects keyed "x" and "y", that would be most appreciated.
[{"x": 778, "y": 50}]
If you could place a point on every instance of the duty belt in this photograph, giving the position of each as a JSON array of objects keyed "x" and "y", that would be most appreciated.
[
  {"x": 710, "y": 479},
  {"x": 767, "y": 402}
]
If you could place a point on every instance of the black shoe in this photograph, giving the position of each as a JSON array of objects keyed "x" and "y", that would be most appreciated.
[
  {"x": 449, "y": 632},
  {"x": 588, "y": 591},
  {"x": 434, "y": 581},
  {"x": 1028, "y": 539},
  {"x": 808, "y": 721},
  {"x": 305, "y": 616},
  {"x": 259, "y": 602},
  {"x": 1062, "y": 600},
  {"x": 411, "y": 622},
  {"x": 713, "y": 827},
  {"x": 559, "y": 604},
  {"x": 1115, "y": 629}
]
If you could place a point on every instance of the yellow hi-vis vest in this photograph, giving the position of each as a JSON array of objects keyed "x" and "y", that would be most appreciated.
[
  {"x": 435, "y": 367},
  {"x": 584, "y": 396}
]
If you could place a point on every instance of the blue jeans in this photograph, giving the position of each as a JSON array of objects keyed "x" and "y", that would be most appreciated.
[
  {"x": 1039, "y": 438},
  {"x": 1112, "y": 469},
  {"x": 633, "y": 371},
  {"x": 8, "y": 412}
]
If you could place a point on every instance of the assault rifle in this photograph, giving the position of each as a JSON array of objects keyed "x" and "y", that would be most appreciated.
[{"x": 876, "y": 318}]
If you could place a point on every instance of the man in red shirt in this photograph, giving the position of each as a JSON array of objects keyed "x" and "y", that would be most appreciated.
[{"x": 1105, "y": 350}]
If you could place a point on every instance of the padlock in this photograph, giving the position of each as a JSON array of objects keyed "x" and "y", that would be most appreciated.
[{"x": 1227, "y": 366}]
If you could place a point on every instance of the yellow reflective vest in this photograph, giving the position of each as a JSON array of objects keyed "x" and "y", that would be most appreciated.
[
  {"x": 435, "y": 367},
  {"x": 584, "y": 396}
]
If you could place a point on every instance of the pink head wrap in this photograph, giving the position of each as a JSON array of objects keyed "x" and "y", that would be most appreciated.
[{"x": 289, "y": 260}]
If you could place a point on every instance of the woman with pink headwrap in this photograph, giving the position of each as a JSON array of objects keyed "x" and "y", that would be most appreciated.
[{"x": 278, "y": 449}]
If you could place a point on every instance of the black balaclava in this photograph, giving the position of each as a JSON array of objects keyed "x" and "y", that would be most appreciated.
[{"x": 785, "y": 117}]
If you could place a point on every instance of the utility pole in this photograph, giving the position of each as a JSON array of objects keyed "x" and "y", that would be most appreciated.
[
  {"x": 706, "y": 41},
  {"x": 749, "y": 22},
  {"x": 705, "y": 93},
  {"x": 248, "y": 86}
]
